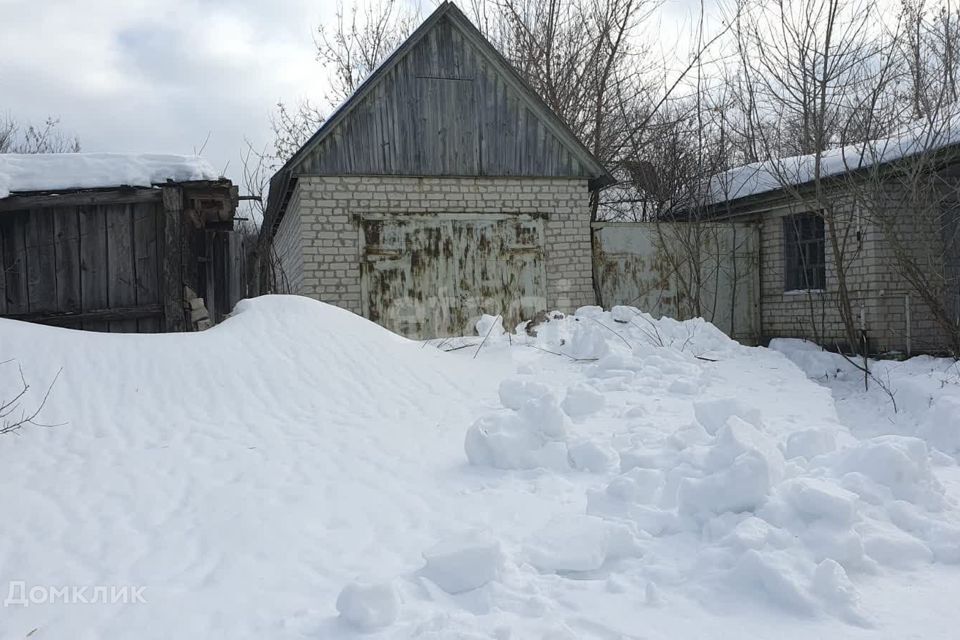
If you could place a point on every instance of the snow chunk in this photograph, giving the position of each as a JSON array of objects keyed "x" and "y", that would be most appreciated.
[
  {"x": 582, "y": 400},
  {"x": 810, "y": 443},
  {"x": 463, "y": 564},
  {"x": 529, "y": 438},
  {"x": 490, "y": 327},
  {"x": 622, "y": 315},
  {"x": 737, "y": 437},
  {"x": 368, "y": 606},
  {"x": 831, "y": 584},
  {"x": 894, "y": 548},
  {"x": 637, "y": 485},
  {"x": 515, "y": 392},
  {"x": 53, "y": 171},
  {"x": 580, "y": 543},
  {"x": 899, "y": 463},
  {"x": 743, "y": 486},
  {"x": 775, "y": 573},
  {"x": 941, "y": 428},
  {"x": 590, "y": 456},
  {"x": 589, "y": 340},
  {"x": 589, "y": 311},
  {"x": 813, "y": 498},
  {"x": 742, "y": 466},
  {"x": 713, "y": 414}
]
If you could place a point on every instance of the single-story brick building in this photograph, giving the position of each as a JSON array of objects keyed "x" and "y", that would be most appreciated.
[
  {"x": 894, "y": 209},
  {"x": 444, "y": 188}
]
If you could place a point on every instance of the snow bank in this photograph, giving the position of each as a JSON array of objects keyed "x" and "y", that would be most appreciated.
[
  {"x": 783, "y": 504},
  {"x": 926, "y": 392},
  {"x": 300, "y": 472},
  {"x": 53, "y": 171}
]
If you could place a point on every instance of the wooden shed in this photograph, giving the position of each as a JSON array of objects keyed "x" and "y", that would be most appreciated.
[
  {"x": 443, "y": 189},
  {"x": 143, "y": 259}
]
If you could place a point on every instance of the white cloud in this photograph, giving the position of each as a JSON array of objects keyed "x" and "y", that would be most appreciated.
[{"x": 132, "y": 75}]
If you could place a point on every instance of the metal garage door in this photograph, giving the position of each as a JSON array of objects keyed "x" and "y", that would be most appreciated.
[{"x": 428, "y": 276}]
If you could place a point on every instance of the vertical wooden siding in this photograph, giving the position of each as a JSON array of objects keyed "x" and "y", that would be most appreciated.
[
  {"x": 445, "y": 109},
  {"x": 86, "y": 258}
]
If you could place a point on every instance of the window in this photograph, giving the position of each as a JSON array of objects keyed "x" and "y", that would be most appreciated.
[{"x": 803, "y": 252}]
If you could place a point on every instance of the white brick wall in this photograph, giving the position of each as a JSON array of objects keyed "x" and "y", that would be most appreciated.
[
  {"x": 875, "y": 285},
  {"x": 288, "y": 246},
  {"x": 321, "y": 213}
]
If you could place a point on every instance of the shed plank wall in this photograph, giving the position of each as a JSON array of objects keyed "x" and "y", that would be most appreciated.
[{"x": 443, "y": 110}]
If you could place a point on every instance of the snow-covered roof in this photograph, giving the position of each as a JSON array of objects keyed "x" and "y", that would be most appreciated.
[
  {"x": 772, "y": 175},
  {"x": 56, "y": 171}
]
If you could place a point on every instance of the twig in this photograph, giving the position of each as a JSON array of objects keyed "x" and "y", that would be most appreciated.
[
  {"x": 492, "y": 325},
  {"x": 463, "y": 346},
  {"x": 866, "y": 372},
  {"x": 613, "y": 332},
  {"x": 8, "y": 407},
  {"x": 565, "y": 355}
]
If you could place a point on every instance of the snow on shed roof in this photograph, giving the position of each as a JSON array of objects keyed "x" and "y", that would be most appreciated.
[
  {"x": 771, "y": 175},
  {"x": 57, "y": 171}
]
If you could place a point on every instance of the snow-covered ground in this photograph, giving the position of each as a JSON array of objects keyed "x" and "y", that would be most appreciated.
[{"x": 298, "y": 472}]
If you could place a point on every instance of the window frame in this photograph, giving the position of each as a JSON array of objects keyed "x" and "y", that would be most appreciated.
[{"x": 804, "y": 253}]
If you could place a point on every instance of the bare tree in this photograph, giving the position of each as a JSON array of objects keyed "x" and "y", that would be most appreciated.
[
  {"x": 265, "y": 272},
  {"x": 819, "y": 76},
  {"x": 919, "y": 178},
  {"x": 357, "y": 41},
  {"x": 46, "y": 138}
]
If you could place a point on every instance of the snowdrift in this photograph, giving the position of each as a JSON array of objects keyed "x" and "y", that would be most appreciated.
[{"x": 298, "y": 472}]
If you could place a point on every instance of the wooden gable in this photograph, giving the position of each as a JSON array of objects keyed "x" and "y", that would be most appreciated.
[
  {"x": 446, "y": 107},
  {"x": 445, "y": 103}
]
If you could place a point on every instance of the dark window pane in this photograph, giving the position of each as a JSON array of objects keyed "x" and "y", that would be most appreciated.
[{"x": 804, "y": 252}]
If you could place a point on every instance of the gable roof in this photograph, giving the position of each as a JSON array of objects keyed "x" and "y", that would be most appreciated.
[{"x": 283, "y": 182}]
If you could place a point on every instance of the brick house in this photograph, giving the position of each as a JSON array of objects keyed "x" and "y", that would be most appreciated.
[
  {"x": 891, "y": 203},
  {"x": 444, "y": 188}
]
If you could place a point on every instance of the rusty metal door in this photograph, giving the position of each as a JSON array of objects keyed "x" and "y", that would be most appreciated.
[
  {"x": 683, "y": 270},
  {"x": 427, "y": 276}
]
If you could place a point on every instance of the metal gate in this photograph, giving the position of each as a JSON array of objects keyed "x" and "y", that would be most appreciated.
[
  {"x": 433, "y": 275},
  {"x": 683, "y": 270}
]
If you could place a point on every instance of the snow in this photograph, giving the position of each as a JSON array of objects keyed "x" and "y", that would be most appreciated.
[
  {"x": 463, "y": 563},
  {"x": 55, "y": 171},
  {"x": 298, "y": 472},
  {"x": 762, "y": 177},
  {"x": 368, "y": 606}
]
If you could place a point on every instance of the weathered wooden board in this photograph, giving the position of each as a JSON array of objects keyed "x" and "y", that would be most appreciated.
[
  {"x": 3, "y": 275},
  {"x": 13, "y": 238},
  {"x": 41, "y": 262},
  {"x": 66, "y": 226},
  {"x": 121, "y": 264},
  {"x": 434, "y": 275},
  {"x": 146, "y": 232},
  {"x": 93, "y": 267}
]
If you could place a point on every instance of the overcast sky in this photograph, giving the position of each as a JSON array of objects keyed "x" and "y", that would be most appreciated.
[{"x": 160, "y": 75}]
